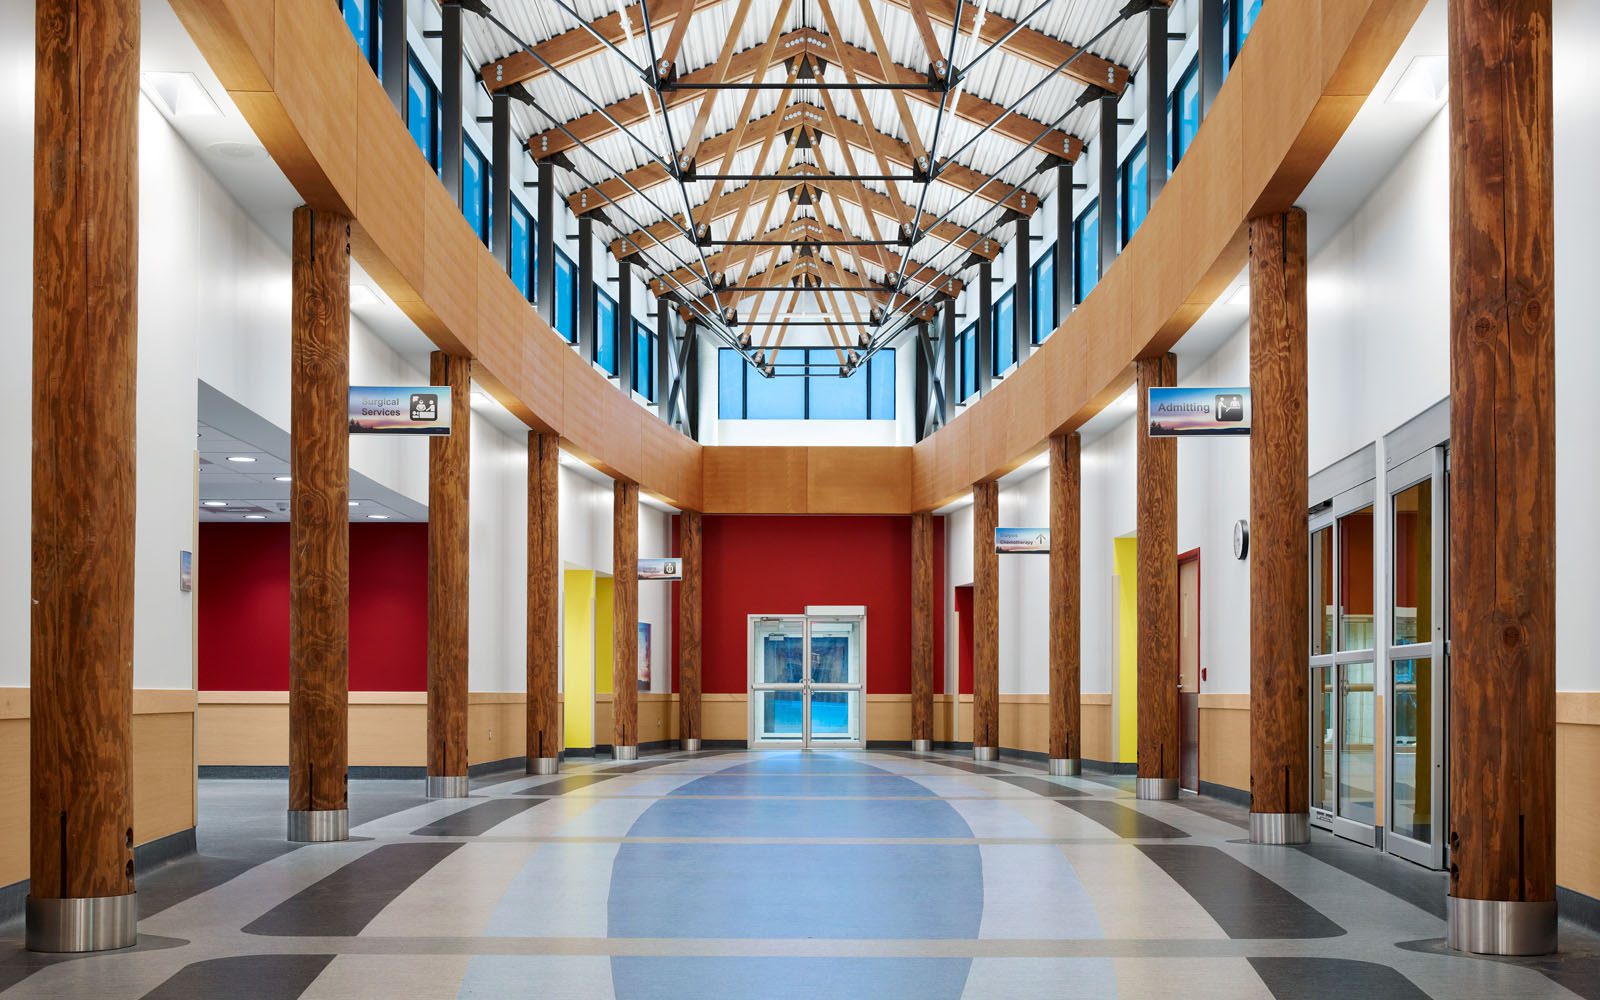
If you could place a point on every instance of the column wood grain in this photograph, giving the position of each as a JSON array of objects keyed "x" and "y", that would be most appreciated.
[
  {"x": 922, "y": 626},
  {"x": 319, "y": 520},
  {"x": 625, "y": 614},
  {"x": 544, "y": 595},
  {"x": 1280, "y": 612},
  {"x": 85, "y": 269},
  {"x": 1157, "y": 588},
  {"x": 691, "y": 539},
  {"x": 986, "y": 616},
  {"x": 449, "y": 560},
  {"x": 1502, "y": 448},
  {"x": 1066, "y": 731}
]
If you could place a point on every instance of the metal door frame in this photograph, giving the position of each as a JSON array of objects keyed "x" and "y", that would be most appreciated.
[
  {"x": 1347, "y": 502},
  {"x": 806, "y": 687},
  {"x": 1429, "y": 466}
]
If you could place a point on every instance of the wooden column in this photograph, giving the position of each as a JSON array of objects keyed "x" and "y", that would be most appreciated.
[
  {"x": 1502, "y": 479},
  {"x": 86, "y": 279},
  {"x": 690, "y": 538},
  {"x": 449, "y": 559},
  {"x": 1159, "y": 755},
  {"x": 985, "y": 622},
  {"x": 1280, "y": 612},
  {"x": 319, "y": 527},
  {"x": 922, "y": 598},
  {"x": 1066, "y": 733},
  {"x": 544, "y": 603},
  {"x": 625, "y": 619}
]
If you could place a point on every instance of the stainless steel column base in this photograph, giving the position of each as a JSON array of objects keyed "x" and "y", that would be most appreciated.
[
  {"x": 1501, "y": 927},
  {"x": 1065, "y": 767},
  {"x": 625, "y": 753},
  {"x": 922, "y": 746},
  {"x": 691, "y": 746},
  {"x": 448, "y": 786},
  {"x": 1156, "y": 789},
  {"x": 544, "y": 765},
  {"x": 1280, "y": 828},
  {"x": 985, "y": 754},
  {"x": 318, "y": 826},
  {"x": 95, "y": 923}
]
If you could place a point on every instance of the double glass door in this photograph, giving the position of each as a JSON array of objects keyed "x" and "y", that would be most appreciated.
[
  {"x": 807, "y": 681},
  {"x": 1344, "y": 709},
  {"x": 1417, "y": 662}
]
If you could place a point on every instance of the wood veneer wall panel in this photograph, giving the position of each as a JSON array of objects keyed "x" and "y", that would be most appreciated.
[
  {"x": 1066, "y": 728},
  {"x": 755, "y": 480},
  {"x": 1503, "y": 461},
  {"x": 319, "y": 525},
  {"x": 85, "y": 351},
  {"x": 625, "y": 614},
  {"x": 922, "y": 598},
  {"x": 544, "y": 595},
  {"x": 314, "y": 79},
  {"x": 691, "y": 538},
  {"x": 986, "y": 616},
  {"x": 449, "y": 566},
  {"x": 1159, "y": 755},
  {"x": 860, "y": 480},
  {"x": 1280, "y": 616}
]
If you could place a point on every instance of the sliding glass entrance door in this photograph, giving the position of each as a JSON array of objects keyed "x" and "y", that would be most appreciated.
[
  {"x": 807, "y": 681},
  {"x": 1416, "y": 646}
]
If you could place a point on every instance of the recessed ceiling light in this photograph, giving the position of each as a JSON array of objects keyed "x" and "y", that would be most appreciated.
[
  {"x": 377, "y": 517},
  {"x": 238, "y": 150},
  {"x": 241, "y": 458},
  {"x": 179, "y": 94},
  {"x": 1240, "y": 296},
  {"x": 1423, "y": 82},
  {"x": 214, "y": 503},
  {"x": 362, "y": 296},
  {"x": 281, "y": 479},
  {"x": 255, "y": 517}
]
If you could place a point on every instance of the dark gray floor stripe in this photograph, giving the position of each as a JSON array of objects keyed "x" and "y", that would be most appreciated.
[
  {"x": 1122, "y": 821},
  {"x": 1322, "y": 978},
  {"x": 570, "y": 783},
  {"x": 1416, "y": 885},
  {"x": 1243, "y": 902},
  {"x": 260, "y": 977},
  {"x": 342, "y": 904},
  {"x": 1041, "y": 786},
  {"x": 1225, "y": 812},
  {"x": 476, "y": 820}
]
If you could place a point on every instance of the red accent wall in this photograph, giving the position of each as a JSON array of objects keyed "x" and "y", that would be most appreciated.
[
  {"x": 964, "y": 639},
  {"x": 781, "y": 564},
  {"x": 243, "y": 588}
]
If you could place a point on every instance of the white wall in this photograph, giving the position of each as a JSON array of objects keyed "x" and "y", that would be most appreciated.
[
  {"x": 1109, "y": 510},
  {"x": 16, "y": 334},
  {"x": 498, "y": 602}
]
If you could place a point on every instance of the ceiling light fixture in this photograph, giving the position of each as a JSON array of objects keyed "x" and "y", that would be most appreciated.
[
  {"x": 355, "y": 503},
  {"x": 282, "y": 479},
  {"x": 246, "y": 459},
  {"x": 213, "y": 503},
  {"x": 1423, "y": 82},
  {"x": 180, "y": 94},
  {"x": 1240, "y": 296},
  {"x": 255, "y": 517},
  {"x": 377, "y": 517}
]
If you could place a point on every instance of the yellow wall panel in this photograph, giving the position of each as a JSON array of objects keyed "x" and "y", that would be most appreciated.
[{"x": 577, "y": 656}]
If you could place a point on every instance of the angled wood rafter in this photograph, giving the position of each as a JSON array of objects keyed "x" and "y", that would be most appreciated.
[
  {"x": 577, "y": 43},
  {"x": 708, "y": 101},
  {"x": 875, "y": 30},
  {"x": 930, "y": 38},
  {"x": 1038, "y": 48}
]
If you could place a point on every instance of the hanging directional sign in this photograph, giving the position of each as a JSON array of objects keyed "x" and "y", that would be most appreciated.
[
  {"x": 1022, "y": 541},
  {"x": 661, "y": 569},
  {"x": 1189, "y": 411},
  {"x": 389, "y": 409}
]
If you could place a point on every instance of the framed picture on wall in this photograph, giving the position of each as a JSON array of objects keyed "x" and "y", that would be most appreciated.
[{"x": 644, "y": 656}]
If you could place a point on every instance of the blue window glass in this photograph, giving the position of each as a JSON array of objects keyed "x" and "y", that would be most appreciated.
[
  {"x": 1249, "y": 10},
  {"x": 1002, "y": 327},
  {"x": 644, "y": 361},
  {"x": 361, "y": 17},
  {"x": 1042, "y": 288},
  {"x": 566, "y": 297},
  {"x": 422, "y": 112},
  {"x": 521, "y": 250},
  {"x": 605, "y": 332},
  {"x": 1087, "y": 237},
  {"x": 1185, "y": 113},
  {"x": 1135, "y": 190},
  {"x": 475, "y": 183},
  {"x": 967, "y": 345},
  {"x": 880, "y": 396},
  {"x": 730, "y": 384},
  {"x": 833, "y": 397},
  {"x": 782, "y": 397}
]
